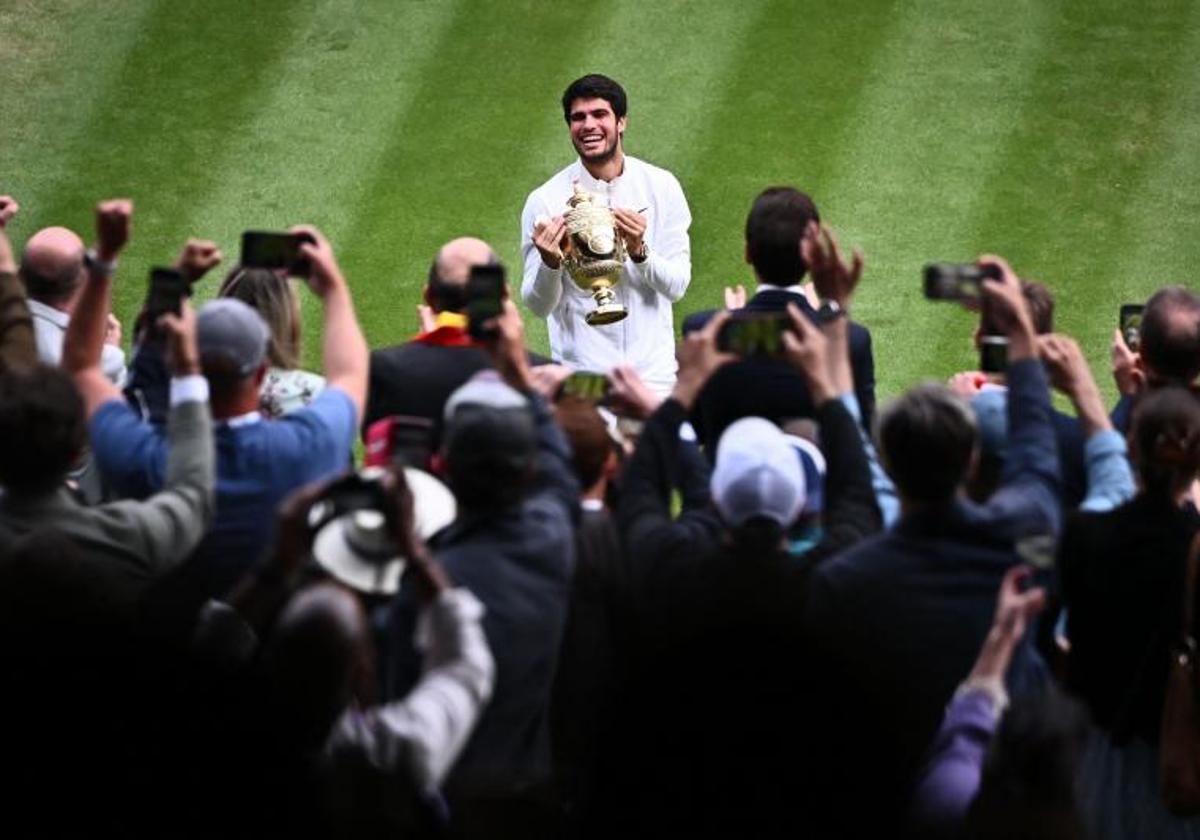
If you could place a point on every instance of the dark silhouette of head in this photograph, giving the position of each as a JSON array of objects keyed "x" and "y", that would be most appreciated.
[
  {"x": 1028, "y": 784},
  {"x": 927, "y": 440},
  {"x": 774, "y": 228},
  {"x": 42, "y": 429},
  {"x": 1164, "y": 440},
  {"x": 1170, "y": 337}
]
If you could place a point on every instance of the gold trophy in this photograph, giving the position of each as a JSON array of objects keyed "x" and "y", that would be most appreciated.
[{"x": 595, "y": 255}]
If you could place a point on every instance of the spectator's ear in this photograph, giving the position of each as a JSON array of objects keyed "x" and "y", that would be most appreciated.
[
  {"x": 261, "y": 373},
  {"x": 612, "y": 465}
]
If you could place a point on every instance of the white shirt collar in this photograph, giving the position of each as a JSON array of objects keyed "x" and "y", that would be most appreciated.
[
  {"x": 594, "y": 184},
  {"x": 54, "y": 316},
  {"x": 247, "y": 419},
  {"x": 795, "y": 288}
]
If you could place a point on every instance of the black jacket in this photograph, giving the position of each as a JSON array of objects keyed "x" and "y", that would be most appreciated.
[
  {"x": 416, "y": 379},
  {"x": 519, "y": 563},
  {"x": 770, "y": 388},
  {"x": 1123, "y": 578},
  {"x": 900, "y": 617},
  {"x": 715, "y": 655}
]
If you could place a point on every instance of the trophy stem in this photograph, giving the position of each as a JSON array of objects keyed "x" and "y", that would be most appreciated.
[{"x": 608, "y": 311}]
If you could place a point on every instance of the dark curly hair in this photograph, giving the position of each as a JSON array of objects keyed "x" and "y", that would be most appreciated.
[{"x": 42, "y": 428}]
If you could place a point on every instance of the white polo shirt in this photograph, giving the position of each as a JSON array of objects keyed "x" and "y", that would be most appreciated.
[{"x": 646, "y": 338}]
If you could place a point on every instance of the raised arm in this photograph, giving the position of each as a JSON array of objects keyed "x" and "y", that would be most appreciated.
[
  {"x": 344, "y": 352},
  {"x": 822, "y": 357},
  {"x": 506, "y": 345},
  {"x": 1109, "y": 477},
  {"x": 174, "y": 520},
  {"x": 18, "y": 347},
  {"x": 83, "y": 345},
  {"x": 644, "y": 512},
  {"x": 1028, "y": 499},
  {"x": 420, "y": 736}
]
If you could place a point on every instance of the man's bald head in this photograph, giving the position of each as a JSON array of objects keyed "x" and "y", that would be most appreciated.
[
  {"x": 447, "y": 288},
  {"x": 1170, "y": 339},
  {"x": 52, "y": 265}
]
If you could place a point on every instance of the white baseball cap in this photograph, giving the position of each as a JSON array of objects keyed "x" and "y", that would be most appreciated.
[{"x": 758, "y": 474}]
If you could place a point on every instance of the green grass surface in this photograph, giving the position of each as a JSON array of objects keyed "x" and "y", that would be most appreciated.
[{"x": 1063, "y": 135}]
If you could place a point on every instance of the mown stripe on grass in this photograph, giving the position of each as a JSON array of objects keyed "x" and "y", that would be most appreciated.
[
  {"x": 50, "y": 89},
  {"x": 334, "y": 102},
  {"x": 903, "y": 187},
  {"x": 1161, "y": 246},
  {"x": 1063, "y": 193},
  {"x": 187, "y": 86},
  {"x": 483, "y": 126},
  {"x": 779, "y": 114}
]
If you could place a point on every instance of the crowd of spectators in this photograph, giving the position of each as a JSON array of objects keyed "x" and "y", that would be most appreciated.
[{"x": 757, "y": 605}]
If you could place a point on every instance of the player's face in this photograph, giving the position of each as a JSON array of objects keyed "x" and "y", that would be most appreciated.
[{"x": 595, "y": 129}]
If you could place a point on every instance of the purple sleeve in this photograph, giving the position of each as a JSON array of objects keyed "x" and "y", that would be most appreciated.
[{"x": 950, "y": 778}]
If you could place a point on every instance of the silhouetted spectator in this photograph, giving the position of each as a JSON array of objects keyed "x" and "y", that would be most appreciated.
[{"x": 879, "y": 610}]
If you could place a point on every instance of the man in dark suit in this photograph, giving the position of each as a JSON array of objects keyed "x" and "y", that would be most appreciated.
[
  {"x": 416, "y": 378},
  {"x": 896, "y": 620},
  {"x": 765, "y": 387}
]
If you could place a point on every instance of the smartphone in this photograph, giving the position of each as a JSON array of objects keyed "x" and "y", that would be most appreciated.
[
  {"x": 485, "y": 298},
  {"x": 754, "y": 334},
  {"x": 1130, "y": 323},
  {"x": 264, "y": 249},
  {"x": 400, "y": 440},
  {"x": 165, "y": 293},
  {"x": 359, "y": 490},
  {"x": 993, "y": 353},
  {"x": 957, "y": 281},
  {"x": 586, "y": 385}
]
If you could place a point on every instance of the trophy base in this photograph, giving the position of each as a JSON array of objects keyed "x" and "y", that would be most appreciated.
[{"x": 606, "y": 313}]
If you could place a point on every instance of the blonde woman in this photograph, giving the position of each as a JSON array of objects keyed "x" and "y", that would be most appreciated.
[{"x": 286, "y": 387}]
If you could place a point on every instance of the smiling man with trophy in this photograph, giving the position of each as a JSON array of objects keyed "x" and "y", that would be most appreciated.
[{"x": 605, "y": 246}]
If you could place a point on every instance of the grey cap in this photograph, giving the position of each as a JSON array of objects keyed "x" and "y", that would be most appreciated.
[{"x": 232, "y": 332}]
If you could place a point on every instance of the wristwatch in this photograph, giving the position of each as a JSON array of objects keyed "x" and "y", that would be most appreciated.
[
  {"x": 93, "y": 263},
  {"x": 830, "y": 310},
  {"x": 642, "y": 255}
]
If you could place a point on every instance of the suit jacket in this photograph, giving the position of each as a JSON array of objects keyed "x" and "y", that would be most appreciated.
[
  {"x": 417, "y": 378},
  {"x": 771, "y": 388},
  {"x": 127, "y": 544},
  {"x": 1123, "y": 578},
  {"x": 899, "y": 618}
]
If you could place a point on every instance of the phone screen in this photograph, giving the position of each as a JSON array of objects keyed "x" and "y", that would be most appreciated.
[
  {"x": 166, "y": 292},
  {"x": 586, "y": 386},
  {"x": 993, "y": 354},
  {"x": 485, "y": 297},
  {"x": 263, "y": 249},
  {"x": 1130, "y": 324},
  {"x": 753, "y": 335}
]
